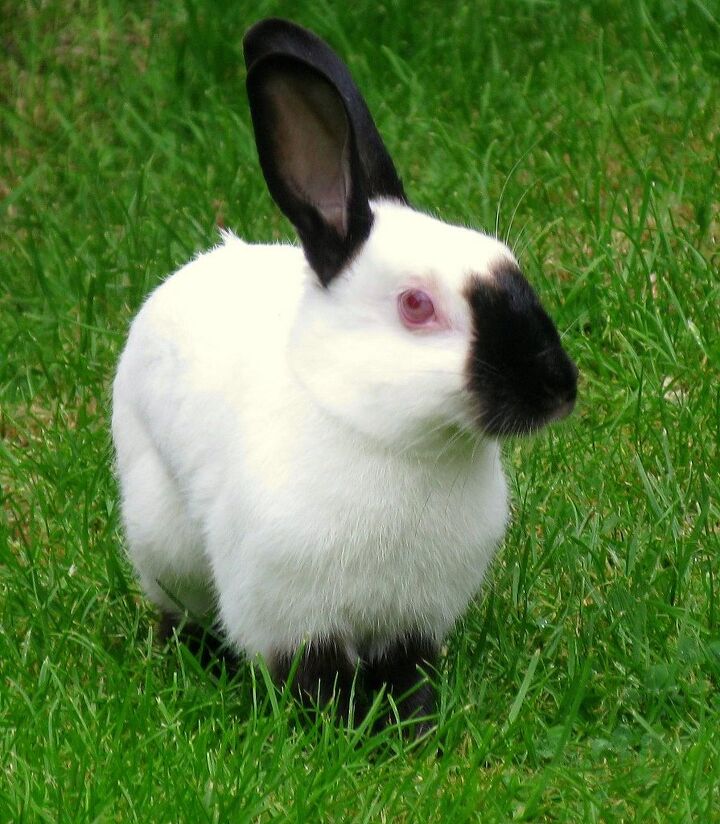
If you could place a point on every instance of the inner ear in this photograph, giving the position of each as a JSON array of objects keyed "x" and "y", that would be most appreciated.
[
  {"x": 320, "y": 152},
  {"x": 311, "y": 142}
]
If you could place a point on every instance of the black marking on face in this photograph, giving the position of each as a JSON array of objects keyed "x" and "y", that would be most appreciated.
[{"x": 518, "y": 373}]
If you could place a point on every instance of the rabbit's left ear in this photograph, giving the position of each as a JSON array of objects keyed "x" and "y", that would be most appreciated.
[{"x": 321, "y": 154}]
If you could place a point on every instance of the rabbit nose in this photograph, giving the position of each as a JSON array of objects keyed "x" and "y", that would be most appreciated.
[{"x": 560, "y": 378}]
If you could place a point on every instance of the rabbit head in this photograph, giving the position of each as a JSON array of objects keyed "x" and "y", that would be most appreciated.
[{"x": 411, "y": 326}]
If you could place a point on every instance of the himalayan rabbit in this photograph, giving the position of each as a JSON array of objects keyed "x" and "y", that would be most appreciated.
[{"x": 307, "y": 437}]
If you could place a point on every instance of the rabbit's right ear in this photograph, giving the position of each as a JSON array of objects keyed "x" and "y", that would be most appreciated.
[{"x": 321, "y": 154}]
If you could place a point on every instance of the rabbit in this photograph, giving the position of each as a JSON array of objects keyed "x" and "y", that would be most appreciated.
[{"x": 308, "y": 437}]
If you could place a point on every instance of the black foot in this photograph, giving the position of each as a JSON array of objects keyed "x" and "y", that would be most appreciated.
[
  {"x": 323, "y": 673},
  {"x": 205, "y": 643},
  {"x": 405, "y": 669}
]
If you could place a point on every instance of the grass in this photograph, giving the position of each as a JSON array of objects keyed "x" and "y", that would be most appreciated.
[{"x": 583, "y": 684}]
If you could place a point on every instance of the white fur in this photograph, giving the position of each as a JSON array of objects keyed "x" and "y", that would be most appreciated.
[{"x": 293, "y": 457}]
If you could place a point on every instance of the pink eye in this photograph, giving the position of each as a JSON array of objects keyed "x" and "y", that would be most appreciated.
[{"x": 416, "y": 307}]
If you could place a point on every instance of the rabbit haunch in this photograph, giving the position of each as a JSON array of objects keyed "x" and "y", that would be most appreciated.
[{"x": 394, "y": 526}]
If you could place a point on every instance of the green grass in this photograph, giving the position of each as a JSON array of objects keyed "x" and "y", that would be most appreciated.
[{"x": 583, "y": 684}]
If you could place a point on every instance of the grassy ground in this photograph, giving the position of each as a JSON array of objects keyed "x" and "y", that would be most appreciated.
[{"x": 583, "y": 685}]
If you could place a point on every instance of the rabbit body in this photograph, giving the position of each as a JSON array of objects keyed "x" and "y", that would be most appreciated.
[
  {"x": 250, "y": 489},
  {"x": 306, "y": 437}
]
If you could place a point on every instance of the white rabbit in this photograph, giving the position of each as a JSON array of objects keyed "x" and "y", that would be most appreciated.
[{"x": 307, "y": 437}]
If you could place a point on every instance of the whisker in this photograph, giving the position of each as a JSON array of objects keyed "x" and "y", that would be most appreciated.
[
  {"x": 451, "y": 442},
  {"x": 427, "y": 434},
  {"x": 509, "y": 176},
  {"x": 518, "y": 203},
  {"x": 450, "y": 491},
  {"x": 516, "y": 243}
]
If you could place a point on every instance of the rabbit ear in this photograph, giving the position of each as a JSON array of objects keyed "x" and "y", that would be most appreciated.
[{"x": 321, "y": 154}]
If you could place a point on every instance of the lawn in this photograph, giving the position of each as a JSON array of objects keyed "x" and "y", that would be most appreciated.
[{"x": 583, "y": 683}]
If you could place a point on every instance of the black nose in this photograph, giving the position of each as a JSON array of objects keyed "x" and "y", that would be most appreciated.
[{"x": 560, "y": 377}]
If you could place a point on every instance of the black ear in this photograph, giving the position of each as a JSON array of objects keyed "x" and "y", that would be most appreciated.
[{"x": 321, "y": 154}]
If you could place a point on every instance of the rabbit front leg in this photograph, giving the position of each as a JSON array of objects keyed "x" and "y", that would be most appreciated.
[
  {"x": 323, "y": 672},
  {"x": 404, "y": 668}
]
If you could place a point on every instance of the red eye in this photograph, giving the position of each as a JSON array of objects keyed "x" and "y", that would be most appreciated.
[{"x": 415, "y": 307}]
